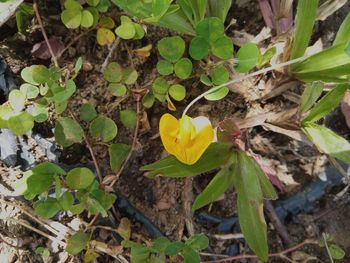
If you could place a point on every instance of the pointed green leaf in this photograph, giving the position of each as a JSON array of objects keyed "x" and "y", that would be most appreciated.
[
  {"x": 311, "y": 93},
  {"x": 343, "y": 34},
  {"x": 117, "y": 155}
]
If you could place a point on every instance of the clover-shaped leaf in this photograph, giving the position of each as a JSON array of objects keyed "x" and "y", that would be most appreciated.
[
  {"x": 17, "y": 100},
  {"x": 79, "y": 178},
  {"x": 71, "y": 18},
  {"x": 104, "y": 36},
  {"x": 220, "y": 75},
  {"x": 218, "y": 95},
  {"x": 171, "y": 48},
  {"x": 87, "y": 19},
  {"x": 67, "y": 131},
  {"x": 199, "y": 48},
  {"x": 210, "y": 28},
  {"x": 148, "y": 100},
  {"x": 113, "y": 72},
  {"x": 87, "y": 112},
  {"x": 164, "y": 67},
  {"x": 117, "y": 89},
  {"x": 103, "y": 128},
  {"x": 247, "y": 56},
  {"x": 177, "y": 92},
  {"x": 183, "y": 68},
  {"x": 223, "y": 47},
  {"x": 128, "y": 118}
]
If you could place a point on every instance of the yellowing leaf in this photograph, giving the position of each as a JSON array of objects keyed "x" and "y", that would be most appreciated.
[{"x": 105, "y": 36}]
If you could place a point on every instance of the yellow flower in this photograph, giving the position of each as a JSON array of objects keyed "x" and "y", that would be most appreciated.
[{"x": 186, "y": 138}]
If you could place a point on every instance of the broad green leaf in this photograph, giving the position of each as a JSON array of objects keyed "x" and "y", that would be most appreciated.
[
  {"x": 336, "y": 252},
  {"x": 77, "y": 243},
  {"x": 27, "y": 75},
  {"x": 174, "y": 248},
  {"x": 311, "y": 93},
  {"x": 58, "y": 187},
  {"x": 177, "y": 92},
  {"x": 17, "y": 100},
  {"x": 128, "y": 118},
  {"x": 40, "y": 73},
  {"x": 48, "y": 168},
  {"x": 160, "y": 86},
  {"x": 103, "y": 128},
  {"x": 217, "y": 95},
  {"x": 343, "y": 34},
  {"x": 40, "y": 113},
  {"x": 71, "y": 18},
  {"x": 198, "y": 242},
  {"x": 103, "y": 6},
  {"x": 171, "y": 48},
  {"x": 62, "y": 94},
  {"x": 247, "y": 57},
  {"x": 106, "y": 22},
  {"x": 266, "y": 57},
  {"x": 66, "y": 201},
  {"x": 61, "y": 107},
  {"x": 139, "y": 254},
  {"x": 139, "y": 32},
  {"x": 104, "y": 36},
  {"x": 93, "y": 2},
  {"x": 219, "y": 8},
  {"x": 164, "y": 67},
  {"x": 87, "y": 112},
  {"x": 328, "y": 142},
  {"x": 211, "y": 29},
  {"x": 216, "y": 155},
  {"x": 220, "y": 75},
  {"x": 39, "y": 183},
  {"x": 21, "y": 124},
  {"x": 80, "y": 178},
  {"x": 199, "y": 48},
  {"x": 327, "y": 103},
  {"x": 113, "y": 72},
  {"x": 223, "y": 47},
  {"x": 94, "y": 207},
  {"x": 159, "y": 7},
  {"x": 304, "y": 23},
  {"x": 130, "y": 76},
  {"x": 67, "y": 131},
  {"x": 183, "y": 68},
  {"x": 117, "y": 155},
  {"x": 126, "y": 30},
  {"x": 78, "y": 208},
  {"x": 117, "y": 89},
  {"x": 29, "y": 90},
  {"x": 72, "y": 4},
  {"x": 190, "y": 255},
  {"x": 160, "y": 244},
  {"x": 106, "y": 200},
  {"x": 148, "y": 100},
  {"x": 47, "y": 208},
  {"x": 87, "y": 19}
]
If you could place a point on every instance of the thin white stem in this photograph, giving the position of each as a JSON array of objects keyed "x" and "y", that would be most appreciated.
[
  {"x": 327, "y": 248},
  {"x": 262, "y": 71}
]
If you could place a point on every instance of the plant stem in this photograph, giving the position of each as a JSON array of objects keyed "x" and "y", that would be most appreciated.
[
  {"x": 113, "y": 47},
  {"x": 36, "y": 10},
  {"x": 327, "y": 248},
  {"x": 262, "y": 71}
]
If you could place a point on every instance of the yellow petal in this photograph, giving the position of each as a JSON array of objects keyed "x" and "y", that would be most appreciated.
[{"x": 168, "y": 129}]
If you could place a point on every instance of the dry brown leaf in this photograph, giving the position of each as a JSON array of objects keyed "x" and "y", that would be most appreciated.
[
  {"x": 124, "y": 228},
  {"x": 328, "y": 8},
  {"x": 41, "y": 50},
  {"x": 280, "y": 89},
  {"x": 144, "y": 51},
  {"x": 296, "y": 135}
]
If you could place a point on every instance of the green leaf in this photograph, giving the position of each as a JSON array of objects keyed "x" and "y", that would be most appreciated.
[
  {"x": 87, "y": 19},
  {"x": 106, "y": 200},
  {"x": 205, "y": 80},
  {"x": 343, "y": 34},
  {"x": 72, "y": 4},
  {"x": 27, "y": 75},
  {"x": 29, "y": 90},
  {"x": 87, "y": 112},
  {"x": 17, "y": 100},
  {"x": 47, "y": 208},
  {"x": 216, "y": 155},
  {"x": 103, "y": 6},
  {"x": 80, "y": 178},
  {"x": 223, "y": 47},
  {"x": 160, "y": 244},
  {"x": 139, "y": 254},
  {"x": 183, "y": 68},
  {"x": 148, "y": 100},
  {"x": 328, "y": 142},
  {"x": 103, "y": 128},
  {"x": 61, "y": 106},
  {"x": 93, "y": 2},
  {"x": 198, "y": 242},
  {"x": 311, "y": 93},
  {"x": 336, "y": 252},
  {"x": 190, "y": 255},
  {"x": 94, "y": 207},
  {"x": 40, "y": 73},
  {"x": 140, "y": 32},
  {"x": 329, "y": 102},
  {"x": 113, "y": 72},
  {"x": 217, "y": 186},
  {"x": 164, "y": 67},
  {"x": 304, "y": 23},
  {"x": 199, "y": 48},
  {"x": 128, "y": 118},
  {"x": 117, "y": 89},
  {"x": 104, "y": 36},
  {"x": 66, "y": 201},
  {"x": 211, "y": 29},
  {"x": 247, "y": 57},
  {"x": 171, "y": 48},
  {"x": 117, "y": 155},
  {"x": 77, "y": 243},
  {"x": 62, "y": 94},
  {"x": 48, "y": 168},
  {"x": 220, "y": 75},
  {"x": 130, "y": 76},
  {"x": 106, "y": 22},
  {"x": 71, "y": 18},
  {"x": 160, "y": 86},
  {"x": 219, "y": 8},
  {"x": 67, "y": 131},
  {"x": 126, "y": 30},
  {"x": 174, "y": 248},
  {"x": 21, "y": 124},
  {"x": 217, "y": 95},
  {"x": 78, "y": 208},
  {"x": 266, "y": 57},
  {"x": 177, "y": 92},
  {"x": 40, "y": 182},
  {"x": 159, "y": 7}
]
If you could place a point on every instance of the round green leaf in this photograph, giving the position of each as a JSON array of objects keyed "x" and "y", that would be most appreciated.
[
  {"x": 223, "y": 47},
  {"x": 66, "y": 201},
  {"x": 247, "y": 57},
  {"x": 106, "y": 22},
  {"x": 29, "y": 90},
  {"x": 177, "y": 92},
  {"x": 40, "y": 113},
  {"x": 77, "y": 243},
  {"x": 117, "y": 89},
  {"x": 128, "y": 118},
  {"x": 113, "y": 72},
  {"x": 140, "y": 32},
  {"x": 95, "y": 15},
  {"x": 126, "y": 30},
  {"x": 80, "y": 178},
  {"x": 218, "y": 95},
  {"x": 164, "y": 67},
  {"x": 103, "y": 6},
  {"x": 104, "y": 36},
  {"x": 103, "y": 128},
  {"x": 336, "y": 252},
  {"x": 48, "y": 168},
  {"x": 148, "y": 100},
  {"x": 40, "y": 73},
  {"x": 87, "y": 112},
  {"x": 47, "y": 208},
  {"x": 21, "y": 123},
  {"x": 183, "y": 68},
  {"x": 199, "y": 48},
  {"x": 160, "y": 86},
  {"x": 93, "y": 2},
  {"x": 67, "y": 131},
  {"x": 71, "y": 18},
  {"x": 27, "y": 75},
  {"x": 39, "y": 183},
  {"x": 210, "y": 28},
  {"x": 17, "y": 100},
  {"x": 87, "y": 19},
  {"x": 72, "y": 4},
  {"x": 171, "y": 48},
  {"x": 130, "y": 76},
  {"x": 220, "y": 75}
]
